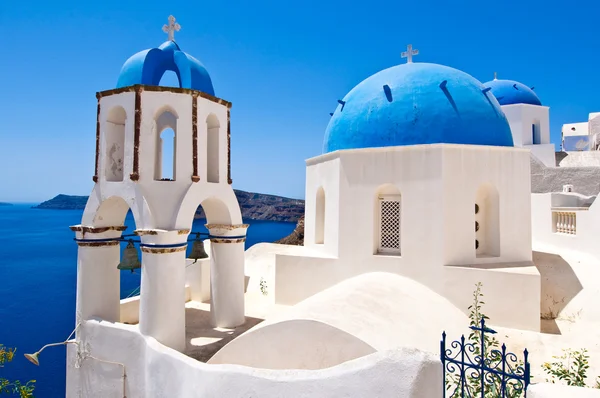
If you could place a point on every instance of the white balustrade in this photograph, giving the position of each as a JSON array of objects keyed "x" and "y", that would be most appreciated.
[{"x": 565, "y": 222}]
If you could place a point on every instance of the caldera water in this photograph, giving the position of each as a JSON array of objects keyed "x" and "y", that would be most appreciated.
[{"x": 38, "y": 267}]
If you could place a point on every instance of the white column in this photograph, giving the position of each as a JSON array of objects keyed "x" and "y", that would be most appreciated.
[
  {"x": 98, "y": 279},
  {"x": 162, "y": 289},
  {"x": 227, "y": 274}
]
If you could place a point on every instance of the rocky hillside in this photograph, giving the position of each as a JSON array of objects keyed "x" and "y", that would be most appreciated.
[
  {"x": 255, "y": 206},
  {"x": 258, "y": 206},
  {"x": 64, "y": 202},
  {"x": 296, "y": 238}
]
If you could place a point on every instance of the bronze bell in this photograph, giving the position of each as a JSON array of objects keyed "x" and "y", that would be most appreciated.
[
  {"x": 130, "y": 259},
  {"x": 198, "y": 251}
]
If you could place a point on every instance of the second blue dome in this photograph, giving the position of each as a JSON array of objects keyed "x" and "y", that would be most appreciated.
[
  {"x": 510, "y": 92},
  {"x": 417, "y": 103}
]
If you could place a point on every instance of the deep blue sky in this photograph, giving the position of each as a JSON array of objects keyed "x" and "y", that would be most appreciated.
[{"x": 283, "y": 65}]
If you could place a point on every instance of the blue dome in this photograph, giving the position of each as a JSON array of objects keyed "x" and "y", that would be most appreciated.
[
  {"x": 509, "y": 92},
  {"x": 417, "y": 103},
  {"x": 148, "y": 66}
]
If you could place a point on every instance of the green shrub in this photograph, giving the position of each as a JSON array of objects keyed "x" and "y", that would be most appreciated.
[
  {"x": 13, "y": 387},
  {"x": 492, "y": 384},
  {"x": 570, "y": 368}
]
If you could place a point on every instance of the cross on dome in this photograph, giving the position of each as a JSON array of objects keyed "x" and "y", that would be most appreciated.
[
  {"x": 171, "y": 28},
  {"x": 495, "y": 75},
  {"x": 409, "y": 53}
]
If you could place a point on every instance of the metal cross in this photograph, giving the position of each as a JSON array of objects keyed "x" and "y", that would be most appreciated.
[
  {"x": 495, "y": 75},
  {"x": 171, "y": 28},
  {"x": 409, "y": 53}
]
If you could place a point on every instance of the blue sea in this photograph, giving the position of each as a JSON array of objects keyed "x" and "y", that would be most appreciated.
[{"x": 38, "y": 266}]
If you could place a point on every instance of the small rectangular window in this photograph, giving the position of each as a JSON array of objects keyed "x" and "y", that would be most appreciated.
[{"x": 389, "y": 225}]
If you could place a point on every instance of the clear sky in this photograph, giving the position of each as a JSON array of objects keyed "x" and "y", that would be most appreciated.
[{"x": 283, "y": 65}]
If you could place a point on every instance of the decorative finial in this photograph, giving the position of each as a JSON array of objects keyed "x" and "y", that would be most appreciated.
[
  {"x": 171, "y": 28},
  {"x": 495, "y": 75},
  {"x": 409, "y": 53}
]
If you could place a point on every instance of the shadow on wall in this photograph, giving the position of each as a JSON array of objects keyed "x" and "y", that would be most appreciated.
[
  {"x": 202, "y": 340},
  {"x": 559, "y": 286}
]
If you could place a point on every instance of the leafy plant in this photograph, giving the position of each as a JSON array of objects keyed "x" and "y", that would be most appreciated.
[
  {"x": 13, "y": 387},
  {"x": 491, "y": 358},
  {"x": 570, "y": 368},
  {"x": 263, "y": 287}
]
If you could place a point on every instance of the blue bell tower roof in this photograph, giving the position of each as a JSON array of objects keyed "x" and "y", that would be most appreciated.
[
  {"x": 148, "y": 66},
  {"x": 510, "y": 92},
  {"x": 417, "y": 103}
]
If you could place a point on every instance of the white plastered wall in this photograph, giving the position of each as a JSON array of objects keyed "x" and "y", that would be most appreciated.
[
  {"x": 438, "y": 184},
  {"x": 521, "y": 118},
  {"x": 545, "y": 239},
  {"x": 363, "y": 312},
  {"x": 157, "y": 371}
]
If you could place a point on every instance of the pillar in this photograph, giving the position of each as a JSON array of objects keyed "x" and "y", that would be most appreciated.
[
  {"x": 227, "y": 274},
  {"x": 162, "y": 289},
  {"x": 98, "y": 279}
]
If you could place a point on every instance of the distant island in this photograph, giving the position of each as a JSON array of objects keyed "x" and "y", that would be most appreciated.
[
  {"x": 5, "y": 204},
  {"x": 255, "y": 206}
]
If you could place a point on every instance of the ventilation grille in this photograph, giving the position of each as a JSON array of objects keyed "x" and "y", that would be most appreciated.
[{"x": 390, "y": 226}]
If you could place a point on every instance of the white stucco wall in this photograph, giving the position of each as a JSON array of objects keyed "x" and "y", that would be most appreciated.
[
  {"x": 547, "y": 390},
  {"x": 521, "y": 118},
  {"x": 156, "y": 371},
  {"x": 546, "y": 153},
  {"x": 546, "y": 240},
  {"x": 438, "y": 186},
  {"x": 574, "y": 129},
  {"x": 356, "y": 317}
]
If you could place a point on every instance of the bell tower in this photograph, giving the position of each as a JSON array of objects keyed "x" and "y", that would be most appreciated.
[{"x": 131, "y": 151}]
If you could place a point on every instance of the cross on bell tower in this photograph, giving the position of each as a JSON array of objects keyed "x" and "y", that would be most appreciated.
[
  {"x": 171, "y": 28},
  {"x": 409, "y": 53}
]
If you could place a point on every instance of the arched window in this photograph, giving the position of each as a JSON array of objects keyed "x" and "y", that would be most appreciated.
[
  {"x": 388, "y": 218},
  {"x": 487, "y": 222},
  {"x": 320, "y": 217},
  {"x": 212, "y": 147},
  {"x": 166, "y": 146},
  {"x": 114, "y": 136}
]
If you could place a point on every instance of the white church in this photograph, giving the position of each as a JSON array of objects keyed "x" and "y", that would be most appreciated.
[{"x": 423, "y": 190}]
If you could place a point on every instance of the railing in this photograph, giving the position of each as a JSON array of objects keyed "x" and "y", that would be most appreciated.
[
  {"x": 565, "y": 222},
  {"x": 473, "y": 368}
]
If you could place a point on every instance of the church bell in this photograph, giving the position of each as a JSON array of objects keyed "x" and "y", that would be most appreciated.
[
  {"x": 198, "y": 251},
  {"x": 130, "y": 259}
]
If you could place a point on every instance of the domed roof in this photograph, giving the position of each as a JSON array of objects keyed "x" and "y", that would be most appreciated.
[
  {"x": 509, "y": 92},
  {"x": 417, "y": 103},
  {"x": 148, "y": 66}
]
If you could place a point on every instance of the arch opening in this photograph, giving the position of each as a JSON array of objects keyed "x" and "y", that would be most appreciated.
[
  {"x": 114, "y": 143},
  {"x": 212, "y": 148},
  {"x": 487, "y": 221},
  {"x": 170, "y": 79},
  {"x": 320, "y": 217},
  {"x": 122, "y": 286},
  {"x": 165, "y": 163},
  {"x": 388, "y": 220}
]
